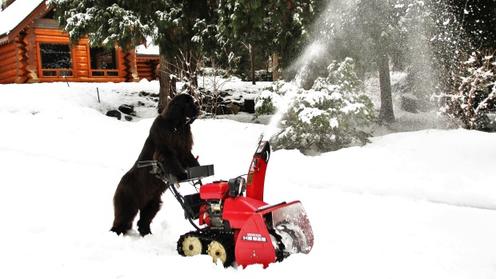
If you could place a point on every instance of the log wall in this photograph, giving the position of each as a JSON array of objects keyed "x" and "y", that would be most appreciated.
[
  {"x": 81, "y": 65},
  {"x": 9, "y": 63},
  {"x": 147, "y": 65},
  {"x": 20, "y": 61},
  {"x": 131, "y": 66}
]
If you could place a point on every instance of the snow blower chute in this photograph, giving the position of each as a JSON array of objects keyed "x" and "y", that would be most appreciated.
[{"x": 234, "y": 222}]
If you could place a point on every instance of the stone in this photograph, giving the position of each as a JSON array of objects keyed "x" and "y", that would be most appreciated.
[{"x": 114, "y": 113}]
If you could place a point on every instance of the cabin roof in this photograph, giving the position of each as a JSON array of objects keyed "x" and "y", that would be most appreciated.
[
  {"x": 15, "y": 13},
  {"x": 16, "y": 16},
  {"x": 21, "y": 13}
]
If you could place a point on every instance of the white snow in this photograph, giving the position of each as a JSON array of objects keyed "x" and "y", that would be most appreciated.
[
  {"x": 408, "y": 205},
  {"x": 16, "y": 13},
  {"x": 148, "y": 49},
  {"x": 307, "y": 114}
]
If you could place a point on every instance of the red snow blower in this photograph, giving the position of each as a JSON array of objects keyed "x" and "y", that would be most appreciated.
[{"x": 236, "y": 225}]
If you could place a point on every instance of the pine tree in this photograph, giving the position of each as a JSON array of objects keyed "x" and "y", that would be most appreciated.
[
  {"x": 331, "y": 115},
  {"x": 377, "y": 21},
  {"x": 475, "y": 97},
  {"x": 378, "y": 33},
  {"x": 128, "y": 22},
  {"x": 274, "y": 26},
  {"x": 477, "y": 20},
  {"x": 287, "y": 28},
  {"x": 243, "y": 21}
]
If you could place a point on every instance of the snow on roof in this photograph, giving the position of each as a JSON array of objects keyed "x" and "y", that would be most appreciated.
[
  {"x": 147, "y": 50},
  {"x": 14, "y": 14}
]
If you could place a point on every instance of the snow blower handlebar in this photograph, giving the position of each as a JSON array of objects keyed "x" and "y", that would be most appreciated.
[{"x": 194, "y": 173}]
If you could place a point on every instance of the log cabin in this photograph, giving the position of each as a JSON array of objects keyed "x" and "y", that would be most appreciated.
[{"x": 34, "y": 48}]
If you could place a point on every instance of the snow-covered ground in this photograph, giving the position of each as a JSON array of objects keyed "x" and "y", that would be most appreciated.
[{"x": 408, "y": 205}]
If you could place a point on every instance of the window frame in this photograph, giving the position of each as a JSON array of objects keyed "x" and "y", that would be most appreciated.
[
  {"x": 106, "y": 73},
  {"x": 57, "y": 71}
]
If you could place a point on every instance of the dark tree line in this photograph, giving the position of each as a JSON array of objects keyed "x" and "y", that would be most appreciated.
[
  {"x": 193, "y": 31},
  {"x": 243, "y": 34},
  {"x": 429, "y": 40}
]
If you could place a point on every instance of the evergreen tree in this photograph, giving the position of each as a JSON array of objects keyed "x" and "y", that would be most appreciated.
[
  {"x": 477, "y": 20},
  {"x": 405, "y": 33},
  {"x": 243, "y": 21},
  {"x": 274, "y": 26},
  {"x": 475, "y": 98},
  {"x": 287, "y": 29},
  {"x": 378, "y": 23},
  {"x": 331, "y": 115},
  {"x": 128, "y": 22}
]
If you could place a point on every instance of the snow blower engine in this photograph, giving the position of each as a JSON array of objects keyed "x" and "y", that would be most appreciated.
[{"x": 234, "y": 222}]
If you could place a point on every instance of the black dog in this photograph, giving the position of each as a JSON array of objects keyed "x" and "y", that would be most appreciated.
[{"x": 170, "y": 142}]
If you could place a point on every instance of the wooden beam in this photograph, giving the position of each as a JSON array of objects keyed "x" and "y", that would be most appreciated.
[
  {"x": 51, "y": 32},
  {"x": 82, "y": 79},
  {"x": 147, "y": 57},
  {"x": 52, "y": 39},
  {"x": 21, "y": 80},
  {"x": 82, "y": 73},
  {"x": 8, "y": 67},
  {"x": 7, "y": 80},
  {"x": 7, "y": 49},
  {"x": 11, "y": 73},
  {"x": 7, "y": 60}
]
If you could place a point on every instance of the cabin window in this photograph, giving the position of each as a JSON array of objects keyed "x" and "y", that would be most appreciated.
[
  {"x": 55, "y": 60},
  {"x": 103, "y": 62}
]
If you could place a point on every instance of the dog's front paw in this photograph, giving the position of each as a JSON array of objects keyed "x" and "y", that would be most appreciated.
[{"x": 182, "y": 176}]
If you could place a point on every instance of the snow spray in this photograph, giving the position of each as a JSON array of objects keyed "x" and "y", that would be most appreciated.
[
  {"x": 324, "y": 32},
  {"x": 311, "y": 52}
]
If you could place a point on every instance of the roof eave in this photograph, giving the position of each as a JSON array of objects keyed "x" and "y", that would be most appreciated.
[
  {"x": 9, "y": 37},
  {"x": 4, "y": 39}
]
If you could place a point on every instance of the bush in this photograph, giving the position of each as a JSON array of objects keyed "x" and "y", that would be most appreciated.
[
  {"x": 266, "y": 103},
  {"x": 473, "y": 104},
  {"x": 331, "y": 115}
]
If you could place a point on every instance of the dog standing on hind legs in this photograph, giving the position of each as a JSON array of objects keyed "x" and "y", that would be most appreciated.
[{"x": 170, "y": 142}]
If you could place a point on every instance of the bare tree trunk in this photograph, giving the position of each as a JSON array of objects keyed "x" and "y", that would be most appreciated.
[
  {"x": 165, "y": 83},
  {"x": 173, "y": 86},
  {"x": 194, "y": 70},
  {"x": 252, "y": 63},
  {"x": 386, "y": 114},
  {"x": 275, "y": 66}
]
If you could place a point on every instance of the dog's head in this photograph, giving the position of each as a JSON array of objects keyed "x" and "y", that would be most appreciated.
[{"x": 183, "y": 109}]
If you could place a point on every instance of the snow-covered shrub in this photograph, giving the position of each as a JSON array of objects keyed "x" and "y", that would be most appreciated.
[
  {"x": 474, "y": 103},
  {"x": 264, "y": 103},
  {"x": 331, "y": 115},
  {"x": 343, "y": 74}
]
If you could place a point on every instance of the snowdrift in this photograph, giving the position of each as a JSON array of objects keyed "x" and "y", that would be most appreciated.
[{"x": 408, "y": 205}]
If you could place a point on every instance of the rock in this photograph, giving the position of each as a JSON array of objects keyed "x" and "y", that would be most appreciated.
[
  {"x": 248, "y": 106},
  {"x": 114, "y": 113},
  {"x": 235, "y": 108},
  {"x": 128, "y": 118},
  {"x": 127, "y": 109}
]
